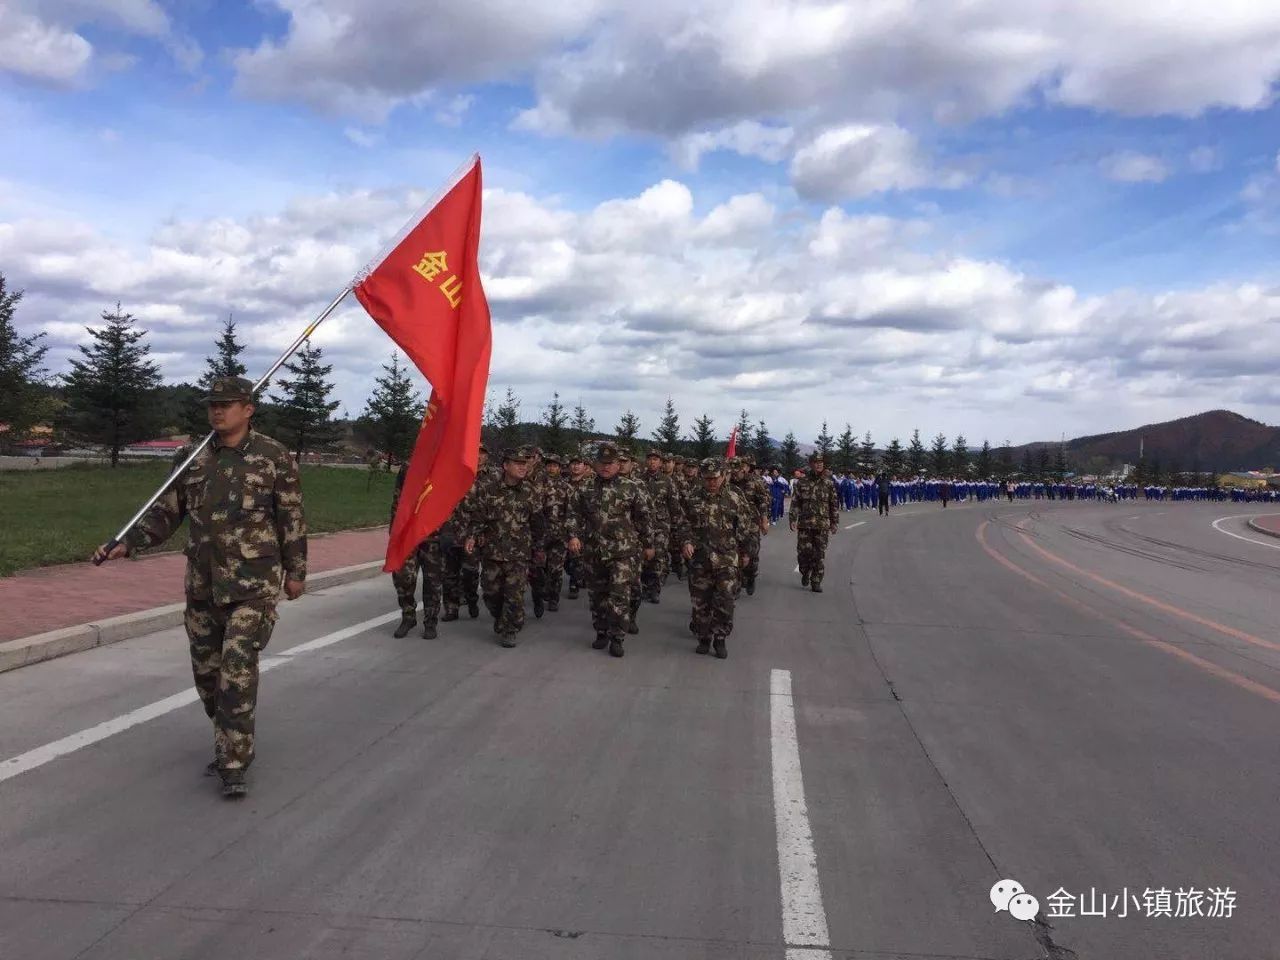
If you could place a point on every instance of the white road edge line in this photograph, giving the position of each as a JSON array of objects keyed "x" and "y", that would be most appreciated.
[
  {"x": 108, "y": 728},
  {"x": 804, "y": 919},
  {"x": 1237, "y": 516},
  {"x": 858, "y": 524}
]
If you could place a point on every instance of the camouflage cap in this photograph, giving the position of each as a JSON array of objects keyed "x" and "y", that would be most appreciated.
[
  {"x": 517, "y": 455},
  {"x": 689, "y": 463},
  {"x": 817, "y": 457},
  {"x": 553, "y": 458},
  {"x": 226, "y": 389},
  {"x": 748, "y": 459},
  {"x": 652, "y": 453},
  {"x": 669, "y": 457},
  {"x": 577, "y": 457},
  {"x": 624, "y": 455},
  {"x": 607, "y": 453},
  {"x": 711, "y": 467}
]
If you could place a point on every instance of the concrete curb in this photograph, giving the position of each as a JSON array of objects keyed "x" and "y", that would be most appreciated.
[
  {"x": 85, "y": 636},
  {"x": 1254, "y": 525}
]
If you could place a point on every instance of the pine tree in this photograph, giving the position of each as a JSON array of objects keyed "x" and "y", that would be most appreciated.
[
  {"x": 394, "y": 411},
  {"x": 824, "y": 443},
  {"x": 846, "y": 450},
  {"x": 581, "y": 423},
  {"x": 867, "y": 461},
  {"x": 1028, "y": 468},
  {"x": 703, "y": 439},
  {"x": 895, "y": 460},
  {"x": 109, "y": 390},
  {"x": 223, "y": 362},
  {"x": 762, "y": 445},
  {"x": 915, "y": 454},
  {"x": 21, "y": 370},
  {"x": 960, "y": 464},
  {"x": 667, "y": 436},
  {"x": 790, "y": 451},
  {"x": 1004, "y": 462},
  {"x": 627, "y": 429},
  {"x": 1060, "y": 463},
  {"x": 507, "y": 422},
  {"x": 940, "y": 456},
  {"x": 303, "y": 410},
  {"x": 985, "y": 462},
  {"x": 554, "y": 421},
  {"x": 1042, "y": 464},
  {"x": 744, "y": 432}
]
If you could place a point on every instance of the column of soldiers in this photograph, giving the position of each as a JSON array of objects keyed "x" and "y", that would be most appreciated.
[{"x": 616, "y": 532}]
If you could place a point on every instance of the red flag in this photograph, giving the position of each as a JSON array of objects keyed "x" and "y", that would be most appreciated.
[
  {"x": 426, "y": 295},
  {"x": 733, "y": 444}
]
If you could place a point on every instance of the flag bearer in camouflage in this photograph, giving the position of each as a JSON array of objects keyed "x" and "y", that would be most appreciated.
[
  {"x": 753, "y": 490},
  {"x": 429, "y": 558},
  {"x": 243, "y": 501},
  {"x": 507, "y": 522},
  {"x": 815, "y": 511},
  {"x": 664, "y": 502},
  {"x": 556, "y": 493},
  {"x": 461, "y": 570},
  {"x": 609, "y": 523},
  {"x": 579, "y": 475},
  {"x": 715, "y": 534}
]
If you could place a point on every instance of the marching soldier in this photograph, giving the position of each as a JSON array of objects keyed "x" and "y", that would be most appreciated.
[
  {"x": 609, "y": 523},
  {"x": 627, "y": 473},
  {"x": 507, "y": 520},
  {"x": 243, "y": 501},
  {"x": 462, "y": 570},
  {"x": 815, "y": 511},
  {"x": 579, "y": 475},
  {"x": 753, "y": 490},
  {"x": 427, "y": 557},
  {"x": 556, "y": 504},
  {"x": 664, "y": 503},
  {"x": 715, "y": 534}
]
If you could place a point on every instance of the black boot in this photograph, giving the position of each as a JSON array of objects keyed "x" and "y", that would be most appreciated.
[
  {"x": 703, "y": 647},
  {"x": 615, "y": 648},
  {"x": 553, "y": 605},
  {"x": 407, "y": 622},
  {"x": 507, "y": 639},
  {"x": 233, "y": 784},
  {"x": 721, "y": 652},
  {"x": 538, "y": 607},
  {"x": 429, "y": 631},
  {"x": 450, "y": 614},
  {"x": 751, "y": 586},
  {"x": 473, "y": 608},
  {"x": 804, "y": 578},
  {"x": 817, "y": 586},
  {"x": 600, "y": 642},
  {"x": 632, "y": 627}
]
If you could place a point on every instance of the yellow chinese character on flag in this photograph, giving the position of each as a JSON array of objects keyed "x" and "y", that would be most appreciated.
[
  {"x": 431, "y": 265},
  {"x": 452, "y": 290}
]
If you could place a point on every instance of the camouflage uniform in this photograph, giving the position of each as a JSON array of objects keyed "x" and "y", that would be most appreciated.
[
  {"x": 815, "y": 510},
  {"x": 461, "y": 572},
  {"x": 686, "y": 483},
  {"x": 556, "y": 493},
  {"x": 427, "y": 557},
  {"x": 752, "y": 489},
  {"x": 631, "y": 477},
  {"x": 573, "y": 565},
  {"x": 718, "y": 526},
  {"x": 247, "y": 531},
  {"x": 507, "y": 521},
  {"x": 664, "y": 504},
  {"x": 611, "y": 519}
]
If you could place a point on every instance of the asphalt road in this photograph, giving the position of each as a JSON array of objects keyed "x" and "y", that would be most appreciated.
[{"x": 1078, "y": 698}]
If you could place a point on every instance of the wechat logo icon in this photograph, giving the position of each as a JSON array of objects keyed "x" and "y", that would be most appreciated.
[{"x": 1010, "y": 895}]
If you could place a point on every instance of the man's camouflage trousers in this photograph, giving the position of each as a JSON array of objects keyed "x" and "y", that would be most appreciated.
[
  {"x": 712, "y": 588},
  {"x": 429, "y": 560},
  {"x": 811, "y": 552},
  {"x": 609, "y": 589},
  {"x": 225, "y": 642},
  {"x": 461, "y": 578},
  {"x": 654, "y": 572},
  {"x": 503, "y": 585},
  {"x": 548, "y": 578}
]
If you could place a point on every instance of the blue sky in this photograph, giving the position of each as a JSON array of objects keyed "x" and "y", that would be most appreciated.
[{"x": 976, "y": 218}]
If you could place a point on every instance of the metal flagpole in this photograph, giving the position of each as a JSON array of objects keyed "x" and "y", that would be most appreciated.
[{"x": 289, "y": 351}]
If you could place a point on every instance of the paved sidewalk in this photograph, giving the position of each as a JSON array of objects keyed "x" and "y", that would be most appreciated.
[
  {"x": 1267, "y": 523},
  {"x": 49, "y": 598}
]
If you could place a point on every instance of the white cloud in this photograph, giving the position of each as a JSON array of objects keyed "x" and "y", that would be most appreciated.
[
  {"x": 1205, "y": 159},
  {"x": 857, "y": 160},
  {"x": 362, "y": 138},
  {"x": 845, "y": 316},
  {"x": 33, "y": 48},
  {"x": 748, "y": 138},
  {"x": 1131, "y": 167},
  {"x": 453, "y": 112}
]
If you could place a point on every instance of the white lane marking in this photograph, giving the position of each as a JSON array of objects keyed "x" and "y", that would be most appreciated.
[
  {"x": 804, "y": 919},
  {"x": 1237, "y": 516},
  {"x": 858, "y": 524},
  {"x": 109, "y": 728}
]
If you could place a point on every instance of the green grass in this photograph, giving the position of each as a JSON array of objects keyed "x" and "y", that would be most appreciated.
[{"x": 60, "y": 516}]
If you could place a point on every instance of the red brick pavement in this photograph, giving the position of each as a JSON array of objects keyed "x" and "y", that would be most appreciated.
[
  {"x": 1268, "y": 523},
  {"x": 49, "y": 598}
]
